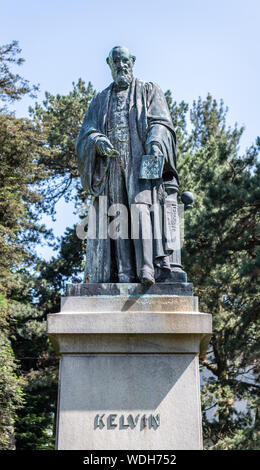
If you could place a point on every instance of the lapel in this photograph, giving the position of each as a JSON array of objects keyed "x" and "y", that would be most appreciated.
[
  {"x": 105, "y": 106},
  {"x": 132, "y": 110},
  {"x": 139, "y": 109},
  {"x": 132, "y": 94}
]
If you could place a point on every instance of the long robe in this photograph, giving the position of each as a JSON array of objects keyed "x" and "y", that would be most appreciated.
[{"x": 149, "y": 121}]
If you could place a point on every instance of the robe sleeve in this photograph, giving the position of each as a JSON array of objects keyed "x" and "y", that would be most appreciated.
[
  {"x": 160, "y": 130},
  {"x": 93, "y": 167}
]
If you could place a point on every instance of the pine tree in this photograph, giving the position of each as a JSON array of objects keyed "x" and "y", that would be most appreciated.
[
  {"x": 220, "y": 254},
  {"x": 222, "y": 258},
  {"x": 16, "y": 175},
  {"x": 11, "y": 395},
  {"x": 12, "y": 86},
  {"x": 21, "y": 172},
  {"x": 60, "y": 118}
]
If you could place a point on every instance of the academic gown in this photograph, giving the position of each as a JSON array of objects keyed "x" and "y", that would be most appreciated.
[{"x": 149, "y": 121}]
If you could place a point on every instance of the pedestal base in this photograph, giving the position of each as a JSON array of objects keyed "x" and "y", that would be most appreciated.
[{"x": 129, "y": 374}]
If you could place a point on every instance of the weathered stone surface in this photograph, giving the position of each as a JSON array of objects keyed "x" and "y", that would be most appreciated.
[
  {"x": 124, "y": 331},
  {"x": 129, "y": 377},
  {"x": 160, "y": 288},
  {"x": 102, "y": 396},
  {"x": 129, "y": 323},
  {"x": 130, "y": 343},
  {"x": 129, "y": 303}
]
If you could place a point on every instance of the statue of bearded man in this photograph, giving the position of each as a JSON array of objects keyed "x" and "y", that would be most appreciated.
[{"x": 128, "y": 120}]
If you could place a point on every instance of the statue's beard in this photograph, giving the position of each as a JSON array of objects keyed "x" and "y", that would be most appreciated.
[{"x": 123, "y": 78}]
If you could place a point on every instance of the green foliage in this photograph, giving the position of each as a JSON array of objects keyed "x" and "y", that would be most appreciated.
[
  {"x": 20, "y": 173},
  {"x": 11, "y": 395},
  {"x": 221, "y": 256},
  {"x": 12, "y": 85},
  {"x": 61, "y": 118},
  {"x": 22, "y": 146},
  {"x": 37, "y": 167},
  {"x": 40, "y": 295},
  {"x": 34, "y": 426}
]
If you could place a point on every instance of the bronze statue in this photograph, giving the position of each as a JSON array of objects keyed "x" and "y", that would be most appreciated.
[{"x": 127, "y": 155}]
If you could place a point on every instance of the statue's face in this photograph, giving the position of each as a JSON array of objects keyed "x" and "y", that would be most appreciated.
[{"x": 121, "y": 65}]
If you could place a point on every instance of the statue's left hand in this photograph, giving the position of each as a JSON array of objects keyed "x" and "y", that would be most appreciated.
[{"x": 153, "y": 149}]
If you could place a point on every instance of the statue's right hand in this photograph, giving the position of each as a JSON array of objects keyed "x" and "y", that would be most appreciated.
[{"x": 105, "y": 149}]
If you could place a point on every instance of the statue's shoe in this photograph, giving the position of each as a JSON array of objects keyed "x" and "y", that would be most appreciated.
[{"x": 147, "y": 279}]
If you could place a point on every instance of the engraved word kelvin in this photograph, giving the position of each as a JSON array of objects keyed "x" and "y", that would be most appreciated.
[{"x": 113, "y": 421}]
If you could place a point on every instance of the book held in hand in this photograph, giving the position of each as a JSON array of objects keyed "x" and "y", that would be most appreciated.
[{"x": 151, "y": 167}]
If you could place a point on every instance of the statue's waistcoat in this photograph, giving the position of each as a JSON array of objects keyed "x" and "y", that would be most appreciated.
[{"x": 118, "y": 125}]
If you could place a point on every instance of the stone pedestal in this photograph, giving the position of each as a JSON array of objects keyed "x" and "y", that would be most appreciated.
[{"x": 129, "y": 373}]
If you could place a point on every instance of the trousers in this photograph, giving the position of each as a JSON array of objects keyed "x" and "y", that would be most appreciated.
[{"x": 132, "y": 237}]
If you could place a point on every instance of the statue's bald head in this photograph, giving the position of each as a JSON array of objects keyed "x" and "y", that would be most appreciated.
[
  {"x": 121, "y": 62},
  {"x": 121, "y": 50}
]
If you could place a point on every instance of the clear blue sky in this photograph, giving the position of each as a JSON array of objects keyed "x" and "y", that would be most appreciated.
[{"x": 191, "y": 47}]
